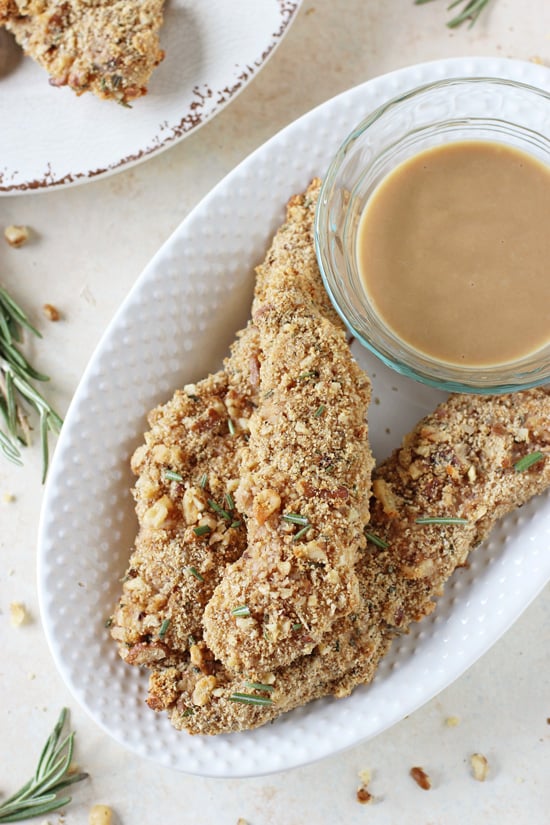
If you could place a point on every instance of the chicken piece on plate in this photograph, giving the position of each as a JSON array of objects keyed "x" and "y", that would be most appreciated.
[
  {"x": 108, "y": 47},
  {"x": 305, "y": 473}
]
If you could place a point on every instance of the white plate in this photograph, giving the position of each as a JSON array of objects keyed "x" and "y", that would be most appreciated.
[
  {"x": 51, "y": 138},
  {"x": 173, "y": 328}
]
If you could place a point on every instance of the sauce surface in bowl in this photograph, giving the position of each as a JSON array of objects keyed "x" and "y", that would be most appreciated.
[{"x": 453, "y": 250}]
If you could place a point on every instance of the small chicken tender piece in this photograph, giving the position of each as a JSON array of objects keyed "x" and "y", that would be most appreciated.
[
  {"x": 305, "y": 474},
  {"x": 490, "y": 434},
  {"x": 108, "y": 47}
]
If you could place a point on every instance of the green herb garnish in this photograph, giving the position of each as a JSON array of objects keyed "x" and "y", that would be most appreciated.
[
  {"x": 170, "y": 475},
  {"x": 163, "y": 628},
  {"x": 296, "y": 518},
  {"x": 202, "y": 530},
  {"x": 219, "y": 510},
  {"x": 442, "y": 520},
  {"x": 231, "y": 426},
  {"x": 228, "y": 498},
  {"x": 40, "y": 795},
  {"x": 319, "y": 411},
  {"x": 203, "y": 480},
  {"x": 528, "y": 461},
  {"x": 16, "y": 375},
  {"x": 241, "y": 610},
  {"x": 374, "y": 539},
  {"x": 260, "y": 686},
  {"x": 301, "y": 532},
  {"x": 194, "y": 572},
  {"x": 250, "y": 699}
]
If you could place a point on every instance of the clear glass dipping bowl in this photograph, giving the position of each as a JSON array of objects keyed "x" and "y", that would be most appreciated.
[{"x": 485, "y": 108}]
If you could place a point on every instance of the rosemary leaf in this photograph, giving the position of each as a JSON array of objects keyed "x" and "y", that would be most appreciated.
[
  {"x": 170, "y": 475},
  {"x": 39, "y": 795},
  {"x": 195, "y": 573},
  {"x": 442, "y": 520},
  {"x": 250, "y": 699},
  {"x": 203, "y": 481},
  {"x": 202, "y": 530},
  {"x": 296, "y": 518},
  {"x": 164, "y": 628},
  {"x": 241, "y": 610},
  {"x": 219, "y": 510},
  {"x": 374, "y": 539},
  {"x": 471, "y": 11},
  {"x": 528, "y": 461},
  {"x": 260, "y": 686},
  {"x": 319, "y": 411},
  {"x": 301, "y": 533}
]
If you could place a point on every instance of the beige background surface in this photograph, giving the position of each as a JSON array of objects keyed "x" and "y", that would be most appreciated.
[{"x": 89, "y": 244}]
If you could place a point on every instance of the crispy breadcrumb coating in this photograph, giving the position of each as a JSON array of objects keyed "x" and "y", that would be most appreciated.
[
  {"x": 458, "y": 462},
  {"x": 305, "y": 472},
  {"x": 108, "y": 47}
]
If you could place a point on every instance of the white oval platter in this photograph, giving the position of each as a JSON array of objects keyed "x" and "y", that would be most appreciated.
[{"x": 175, "y": 327}]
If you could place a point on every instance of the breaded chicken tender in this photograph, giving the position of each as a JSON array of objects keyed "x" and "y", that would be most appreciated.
[
  {"x": 188, "y": 471},
  {"x": 305, "y": 472},
  {"x": 108, "y": 47},
  {"x": 474, "y": 459}
]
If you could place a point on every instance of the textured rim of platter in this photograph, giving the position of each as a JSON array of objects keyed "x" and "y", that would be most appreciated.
[
  {"x": 174, "y": 327},
  {"x": 51, "y": 139}
]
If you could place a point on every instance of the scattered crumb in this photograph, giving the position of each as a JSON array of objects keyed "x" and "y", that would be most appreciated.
[
  {"x": 480, "y": 766},
  {"x": 100, "y": 815},
  {"x": 16, "y": 236},
  {"x": 421, "y": 778},
  {"x": 51, "y": 312},
  {"x": 376, "y": 400},
  {"x": 8, "y": 498},
  {"x": 538, "y": 60},
  {"x": 548, "y": 721},
  {"x": 32, "y": 676},
  {"x": 18, "y": 614},
  {"x": 241, "y": 821},
  {"x": 364, "y": 796},
  {"x": 452, "y": 721}
]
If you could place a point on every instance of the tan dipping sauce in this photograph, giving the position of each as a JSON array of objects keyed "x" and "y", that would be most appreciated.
[{"x": 453, "y": 249}]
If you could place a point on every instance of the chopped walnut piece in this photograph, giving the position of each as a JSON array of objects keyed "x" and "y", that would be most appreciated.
[
  {"x": 100, "y": 815},
  {"x": 16, "y": 236},
  {"x": 51, "y": 312},
  {"x": 480, "y": 766},
  {"x": 18, "y": 614},
  {"x": 421, "y": 778}
]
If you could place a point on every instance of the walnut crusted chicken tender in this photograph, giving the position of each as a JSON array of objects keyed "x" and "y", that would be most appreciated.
[
  {"x": 472, "y": 451},
  {"x": 108, "y": 47},
  {"x": 188, "y": 526},
  {"x": 305, "y": 473}
]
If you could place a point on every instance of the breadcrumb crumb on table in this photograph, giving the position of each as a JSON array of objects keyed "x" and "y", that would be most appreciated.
[{"x": 51, "y": 312}]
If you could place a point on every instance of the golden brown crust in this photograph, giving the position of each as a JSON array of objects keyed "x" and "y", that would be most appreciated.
[
  {"x": 305, "y": 473},
  {"x": 496, "y": 432},
  {"x": 108, "y": 47}
]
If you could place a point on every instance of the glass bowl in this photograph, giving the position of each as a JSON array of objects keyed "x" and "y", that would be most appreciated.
[{"x": 460, "y": 109}]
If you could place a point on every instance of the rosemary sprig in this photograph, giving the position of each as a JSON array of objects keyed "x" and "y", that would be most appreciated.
[
  {"x": 40, "y": 795},
  {"x": 16, "y": 375},
  {"x": 471, "y": 11}
]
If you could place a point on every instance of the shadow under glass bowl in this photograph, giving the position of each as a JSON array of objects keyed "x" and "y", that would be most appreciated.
[{"x": 448, "y": 111}]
